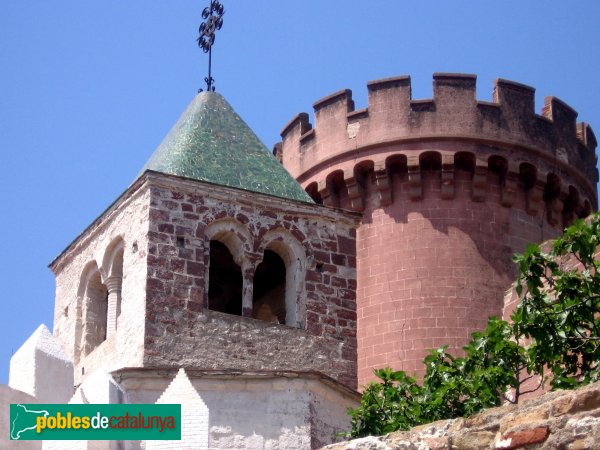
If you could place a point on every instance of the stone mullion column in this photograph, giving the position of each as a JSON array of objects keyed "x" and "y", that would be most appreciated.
[
  {"x": 88, "y": 317},
  {"x": 113, "y": 284}
]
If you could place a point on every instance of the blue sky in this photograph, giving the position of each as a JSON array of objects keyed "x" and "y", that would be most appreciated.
[{"x": 89, "y": 89}]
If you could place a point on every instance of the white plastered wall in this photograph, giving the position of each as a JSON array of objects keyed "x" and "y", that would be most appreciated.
[
  {"x": 194, "y": 416},
  {"x": 42, "y": 368},
  {"x": 260, "y": 412}
]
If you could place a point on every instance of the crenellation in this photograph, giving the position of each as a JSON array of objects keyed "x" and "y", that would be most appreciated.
[
  {"x": 357, "y": 114},
  {"x": 401, "y": 83},
  {"x": 586, "y": 136},
  {"x": 340, "y": 100},
  {"x": 307, "y": 137},
  {"x": 425, "y": 202},
  {"x": 393, "y": 118},
  {"x": 484, "y": 178},
  {"x": 421, "y": 105},
  {"x": 515, "y": 99},
  {"x": 453, "y": 91},
  {"x": 562, "y": 116}
]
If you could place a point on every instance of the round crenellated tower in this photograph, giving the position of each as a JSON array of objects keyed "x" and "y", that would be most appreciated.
[{"x": 450, "y": 188}]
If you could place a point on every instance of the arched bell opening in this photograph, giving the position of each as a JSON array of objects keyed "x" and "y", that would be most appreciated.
[
  {"x": 95, "y": 311},
  {"x": 269, "y": 289},
  {"x": 225, "y": 280}
]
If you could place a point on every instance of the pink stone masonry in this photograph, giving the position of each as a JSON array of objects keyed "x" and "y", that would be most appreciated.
[{"x": 449, "y": 188}]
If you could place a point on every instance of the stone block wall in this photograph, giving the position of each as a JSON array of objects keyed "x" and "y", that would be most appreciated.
[
  {"x": 317, "y": 245},
  {"x": 568, "y": 420}
]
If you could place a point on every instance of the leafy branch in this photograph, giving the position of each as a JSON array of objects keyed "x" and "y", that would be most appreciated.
[{"x": 553, "y": 336}]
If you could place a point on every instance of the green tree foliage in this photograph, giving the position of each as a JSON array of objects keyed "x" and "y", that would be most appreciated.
[{"x": 553, "y": 335}]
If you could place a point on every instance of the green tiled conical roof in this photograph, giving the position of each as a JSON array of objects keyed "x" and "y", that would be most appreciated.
[{"x": 210, "y": 142}]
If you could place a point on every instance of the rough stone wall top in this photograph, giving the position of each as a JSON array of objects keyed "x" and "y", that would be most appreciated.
[{"x": 567, "y": 420}]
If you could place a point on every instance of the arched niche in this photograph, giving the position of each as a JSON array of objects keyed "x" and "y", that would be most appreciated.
[
  {"x": 288, "y": 250},
  {"x": 313, "y": 191},
  {"x": 268, "y": 289},
  {"x": 91, "y": 326},
  {"x": 227, "y": 242},
  {"x": 225, "y": 280}
]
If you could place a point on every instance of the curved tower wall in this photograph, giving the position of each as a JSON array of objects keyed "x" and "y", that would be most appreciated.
[{"x": 449, "y": 189}]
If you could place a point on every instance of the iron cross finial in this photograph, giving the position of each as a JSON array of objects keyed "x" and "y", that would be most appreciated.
[{"x": 213, "y": 21}]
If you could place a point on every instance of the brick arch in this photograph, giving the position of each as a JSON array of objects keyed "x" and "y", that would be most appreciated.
[
  {"x": 396, "y": 163},
  {"x": 430, "y": 160},
  {"x": 553, "y": 187},
  {"x": 234, "y": 236},
  {"x": 465, "y": 161},
  {"x": 293, "y": 254},
  {"x": 88, "y": 270},
  {"x": 553, "y": 190},
  {"x": 112, "y": 262},
  {"x": 363, "y": 167},
  {"x": 334, "y": 185}
]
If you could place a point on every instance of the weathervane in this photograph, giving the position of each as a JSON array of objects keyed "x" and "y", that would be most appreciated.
[{"x": 213, "y": 21}]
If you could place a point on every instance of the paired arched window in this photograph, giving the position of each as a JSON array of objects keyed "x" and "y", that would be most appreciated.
[
  {"x": 99, "y": 299},
  {"x": 112, "y": 264},
  {"x": 269, "y": 290},
  {"x": 94, "y": 311},
  {"x": 268, "y": 299},
  {"x": 225, "y": 281}
]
